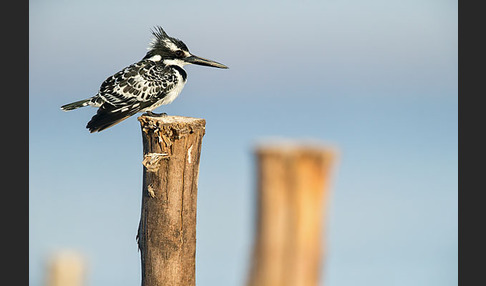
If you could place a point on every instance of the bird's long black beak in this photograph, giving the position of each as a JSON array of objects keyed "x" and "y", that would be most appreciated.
[{"x": 203, "y": 62}]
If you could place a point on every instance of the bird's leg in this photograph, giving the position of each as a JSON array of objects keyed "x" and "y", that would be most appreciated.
[{"x": 150, "y": 113}]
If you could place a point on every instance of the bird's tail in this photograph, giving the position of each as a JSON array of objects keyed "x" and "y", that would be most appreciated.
[
  {"x": 109, "y": 115},
  {"x": 76, "y": 104}
]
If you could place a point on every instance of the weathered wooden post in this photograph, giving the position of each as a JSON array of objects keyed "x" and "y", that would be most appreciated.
[
  {"x": 167, "y": 229},
  {"x": 292, "y": 195}
]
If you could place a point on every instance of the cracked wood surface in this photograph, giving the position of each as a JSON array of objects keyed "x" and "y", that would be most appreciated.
[{"x": 167, "y": 230}]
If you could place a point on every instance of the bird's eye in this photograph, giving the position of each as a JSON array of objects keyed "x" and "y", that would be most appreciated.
[{"x": 180, "y": 53}]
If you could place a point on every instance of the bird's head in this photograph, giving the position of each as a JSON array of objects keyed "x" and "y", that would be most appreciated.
[{"x": 172, "y": 51}]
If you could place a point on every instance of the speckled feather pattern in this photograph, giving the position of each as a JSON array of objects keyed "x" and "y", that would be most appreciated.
[
  {"x": 140, "y": 87},
  {"x": 142, "y": 82}
]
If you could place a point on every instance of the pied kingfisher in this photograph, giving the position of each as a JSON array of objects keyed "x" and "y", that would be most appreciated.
[{"x": 143, "y": 86}]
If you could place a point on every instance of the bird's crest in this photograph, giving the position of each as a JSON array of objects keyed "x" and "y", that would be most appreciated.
[{"x": 163, "y": 41}]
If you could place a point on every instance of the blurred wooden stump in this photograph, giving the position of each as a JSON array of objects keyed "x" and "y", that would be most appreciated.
[
  {"x": 292, "y": 195},
  {"x": 66, "y": 268}
]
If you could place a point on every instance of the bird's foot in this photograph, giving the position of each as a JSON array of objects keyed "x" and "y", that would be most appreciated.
[{"x": 150, "y": 113}]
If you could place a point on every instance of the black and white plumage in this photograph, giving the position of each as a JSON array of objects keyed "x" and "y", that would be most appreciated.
[{"x": 143, "y": 86}]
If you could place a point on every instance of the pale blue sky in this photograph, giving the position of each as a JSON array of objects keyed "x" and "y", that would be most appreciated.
[{"x": 375, "y": 79}]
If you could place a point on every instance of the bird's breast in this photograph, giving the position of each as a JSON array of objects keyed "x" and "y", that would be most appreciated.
[{"x": 174, "y": 92}]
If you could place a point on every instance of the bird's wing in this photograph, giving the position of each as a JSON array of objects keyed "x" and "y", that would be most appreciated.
[
  {"x": 131, "y": 90},
  {"x": 141, "y": 82}
]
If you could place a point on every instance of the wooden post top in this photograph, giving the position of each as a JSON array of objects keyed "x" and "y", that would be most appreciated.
[
  {"x": 180, "y": 122},
  {"x": 295, "y": 147},
  {"x": 160, "y": 132}
]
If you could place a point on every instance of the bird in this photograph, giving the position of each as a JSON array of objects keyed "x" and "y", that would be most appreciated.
[{"x": 157, "y": 79}]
